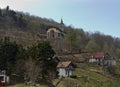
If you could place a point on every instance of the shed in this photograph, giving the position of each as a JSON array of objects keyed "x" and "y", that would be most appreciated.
[{"x": 65, "y": 68}]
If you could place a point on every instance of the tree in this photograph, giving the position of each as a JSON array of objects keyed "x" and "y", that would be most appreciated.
[
  {"x": 10, "y": 55},
  {"x": 92, "y": 47},
  {"x": 71, "y": 39},
  {"x": 8, "y": 52},
  {"x": 0, "y": 12},
  {"x": 43, "y": 54},
  {"x": 82, "y": 38},
  {"x": 41, "y": 51},
  {"x": 32, "y": 71},
  {"x": 108, "y": 49},
  {"x": 21, "y": 52},
  {"x": 21, "y": 58},
  {"x": 112, "y": 70},
  {"x": 7, "y": 8},
  {"x": 98, "y": 38},
  {"x": 118, "y": 53}
]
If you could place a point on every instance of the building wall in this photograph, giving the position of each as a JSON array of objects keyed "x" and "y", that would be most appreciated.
[
  {"x": 102, "y": 61},
  {"x": 56, "y": 38},
  {"x": 53, "y": 33},
  {"x": 92, "y": 60},
  {"x": 99, "y": 61},
  {"x": 110, "y": 62},
  {"x": 64, "y": 72}
]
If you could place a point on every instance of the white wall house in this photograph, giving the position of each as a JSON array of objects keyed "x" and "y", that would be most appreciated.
[
  {"x": 110, "y": 61},
  {"x": 4, "y": 79},
  {"x": 102, "y": 59},
  {"x": 65, "y": 69}
]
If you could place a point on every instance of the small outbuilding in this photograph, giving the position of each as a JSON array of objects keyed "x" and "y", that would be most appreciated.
[
  {"x": 65, "y": 68},
  {"x": 4, "y": 79}
]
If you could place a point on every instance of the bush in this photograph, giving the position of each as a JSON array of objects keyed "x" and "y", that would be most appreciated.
[
  {"x": 112, "y": 70},
  {"x": 73, "y": 76}
]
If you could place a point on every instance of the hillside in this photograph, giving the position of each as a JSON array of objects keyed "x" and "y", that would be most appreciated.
[
  {"x": 90, "y": 75},
  {"x": 26, "y": 29},
  {"x": 21, "y": 27}
]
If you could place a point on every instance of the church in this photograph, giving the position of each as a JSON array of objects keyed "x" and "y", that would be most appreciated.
[
  {"x": 56, "y": 37},
  {"x": 56, "y": 33}
]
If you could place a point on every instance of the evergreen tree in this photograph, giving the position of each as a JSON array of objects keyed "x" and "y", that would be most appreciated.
[
  {"x": 8, "y": 52},
  {"x": 92, "y": 47},
  {"x": 43, "y": 54},
  {"x": 118, "y": 53},
  {"x": 71, "y": 39},
  {"x": 0, "y": 12}
]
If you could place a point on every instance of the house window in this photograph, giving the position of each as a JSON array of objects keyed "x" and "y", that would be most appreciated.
[
  {"x": 52, "y": 34},
  {"x": 59, "y": 34},
  {"x": 66, "y": 71},
  {"x": 1, "y": 78}
]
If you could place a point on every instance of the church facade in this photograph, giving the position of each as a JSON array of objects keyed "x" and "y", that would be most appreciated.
[
  {"x": 56, "y": 33},
  {"x": 56, "y": 37}
]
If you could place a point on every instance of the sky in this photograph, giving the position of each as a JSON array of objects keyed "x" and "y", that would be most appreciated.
[{"x": 90, "y": 15}]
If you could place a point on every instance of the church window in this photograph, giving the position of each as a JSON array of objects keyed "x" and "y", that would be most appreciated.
[
  {"x": 52, "y": 34},
  {"x": 59, "y": 34}
]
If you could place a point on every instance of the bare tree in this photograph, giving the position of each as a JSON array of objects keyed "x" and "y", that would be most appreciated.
[{"x": 32, "y": 71}]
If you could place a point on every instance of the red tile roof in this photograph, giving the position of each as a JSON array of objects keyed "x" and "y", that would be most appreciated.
[
  {"x": 63, "y": 64},
  {"x": 97, "y": 55}
]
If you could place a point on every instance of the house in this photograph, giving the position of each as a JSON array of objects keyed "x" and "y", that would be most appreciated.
[
  {"x": 110, "y": 61},
  {"x": 4, "y": 79},
  {"x": 102, "y": 59},
  {"x": 65, "y": 68},
  {"x": 96, "y": 58}
]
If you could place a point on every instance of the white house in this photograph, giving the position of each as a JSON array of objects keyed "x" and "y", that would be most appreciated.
[
  {"x": 97, "y": 57},
  {"x": 65, "y": 68},
  {"x": 110, "y": 61},
  {"x": 4, "y": 79},
  {"x": 102, "y": 59}
]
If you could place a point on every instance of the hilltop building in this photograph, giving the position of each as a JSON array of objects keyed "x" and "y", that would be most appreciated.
[
  {"x": 56, "y": 36},
  {"x": 56, "y": 33}
]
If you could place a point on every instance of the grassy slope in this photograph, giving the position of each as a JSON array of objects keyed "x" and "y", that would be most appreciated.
[
  {"x": 23, "y": 85},
  {"x": 88, "y": 77}
]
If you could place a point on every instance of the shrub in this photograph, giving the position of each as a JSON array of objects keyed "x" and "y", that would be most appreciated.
[{"x": 73, "y": 76}]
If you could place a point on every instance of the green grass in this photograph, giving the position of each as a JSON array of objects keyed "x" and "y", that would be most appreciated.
[
  {"x": 88, "y": 78},
  {"x": 23, "y": 85}
]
